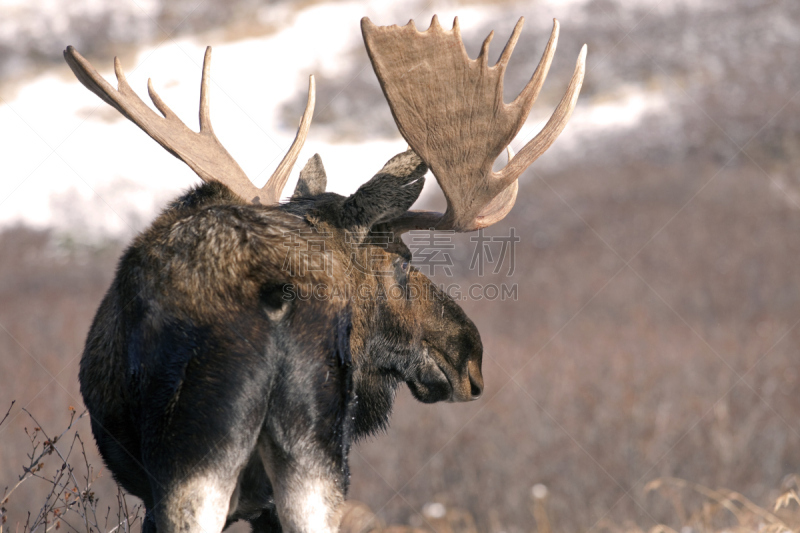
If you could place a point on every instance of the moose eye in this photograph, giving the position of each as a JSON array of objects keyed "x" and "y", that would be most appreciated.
[{"x": 404, "y": 266}]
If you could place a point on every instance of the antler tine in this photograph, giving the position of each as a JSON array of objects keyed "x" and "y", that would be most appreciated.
[
  {"x": 450, "y": 110},
  {"x": 512, "y": 42},
  {"x": 529, "y": 94},
  {"x": 483, "y": 55},
  {"x": 278, "y": 179},
  {"x": 201, "y": 150},
  {"x": 205, "y": 105},
  {"x": 545, "y": 138}
]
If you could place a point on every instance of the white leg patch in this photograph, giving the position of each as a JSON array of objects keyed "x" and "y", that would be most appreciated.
[
  {"x": 313, "y": 508},
  {"x": 306, "y": 494},
  {"x": 308, "y": 503},
  {"x": 199, "y": 505}
]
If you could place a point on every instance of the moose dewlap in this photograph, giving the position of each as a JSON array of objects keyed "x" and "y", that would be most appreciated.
[{"x": 215, "y": 392}]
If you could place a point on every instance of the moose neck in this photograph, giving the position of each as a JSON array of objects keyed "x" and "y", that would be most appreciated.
[
  {"x": 375, "y": 393},
  {"x": 375, "y": 376}
]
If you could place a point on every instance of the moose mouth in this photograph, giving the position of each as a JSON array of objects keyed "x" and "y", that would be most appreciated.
[
  {"x": 431, "y": 383},
  {"x": 427, "y": 392}
]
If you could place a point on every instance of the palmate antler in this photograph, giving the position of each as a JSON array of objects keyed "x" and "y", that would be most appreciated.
[
  {"x": 202, "y": 151},
  {"x": 450, "y": 110}
]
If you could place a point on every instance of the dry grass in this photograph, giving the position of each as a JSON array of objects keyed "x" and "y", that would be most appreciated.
[
  {"x": 696, "y": 509},
  {"x": 49, "y": 291},
  {"x": 64, "y": 482}
]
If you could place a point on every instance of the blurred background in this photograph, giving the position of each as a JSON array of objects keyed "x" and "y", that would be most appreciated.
[{"x": 654, "y": 330}]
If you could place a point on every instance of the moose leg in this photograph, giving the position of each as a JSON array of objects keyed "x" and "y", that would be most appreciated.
[
  {"x": 199, "y": 504},
  {"x": 307, "y": 493},
  {"x": 149, "y": 522},
  {"x": 195, "y": 451}
]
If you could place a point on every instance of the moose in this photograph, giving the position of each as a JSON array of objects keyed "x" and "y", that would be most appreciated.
[{"x": 216, "y": 393}]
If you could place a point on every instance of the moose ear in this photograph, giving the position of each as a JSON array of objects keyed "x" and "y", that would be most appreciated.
[
  {"x": 312, "y": 179},
  {"x": 388, "y": 194}
]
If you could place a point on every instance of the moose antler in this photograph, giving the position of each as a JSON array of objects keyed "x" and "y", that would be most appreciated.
[
  {"x": 201, "y": 151},
  {"x": 450, "y": 110}
]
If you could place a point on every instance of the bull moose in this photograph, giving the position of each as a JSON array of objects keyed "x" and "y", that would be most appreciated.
[{"x": 215, "y": 393}]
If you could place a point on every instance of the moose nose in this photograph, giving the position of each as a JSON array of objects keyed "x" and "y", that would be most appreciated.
[
  {"x": 475, "y": 385},
  {"x": 475, "y": 378}
]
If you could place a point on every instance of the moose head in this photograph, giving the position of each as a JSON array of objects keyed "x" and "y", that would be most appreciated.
[{"x": 216, "y": 391}]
